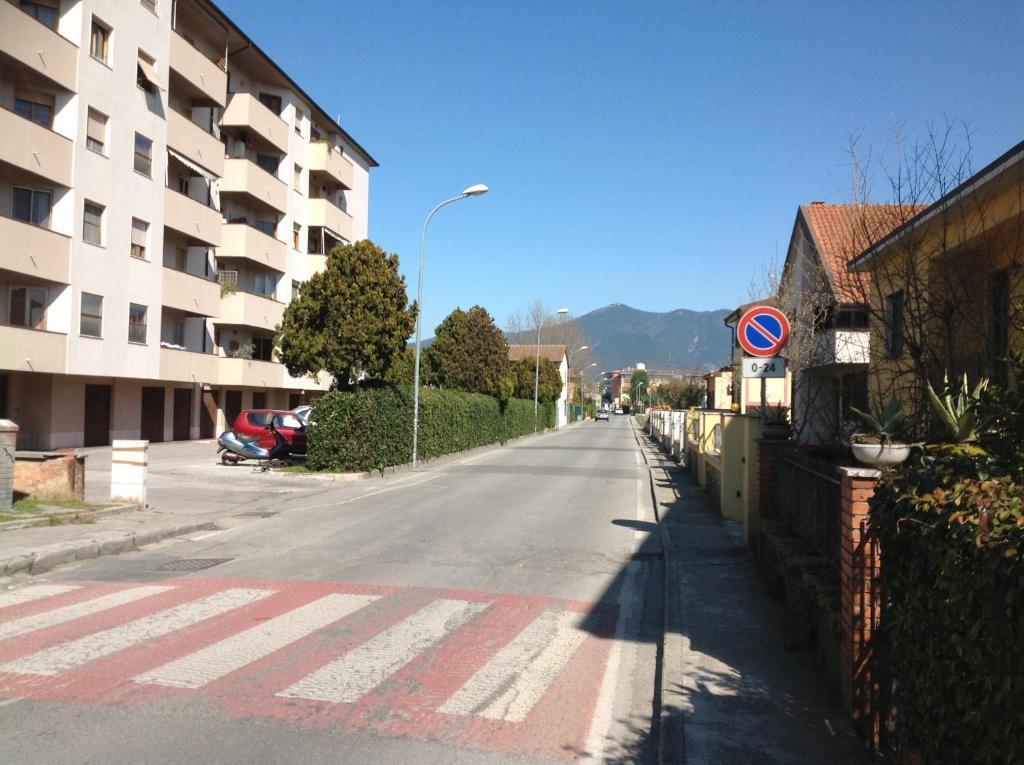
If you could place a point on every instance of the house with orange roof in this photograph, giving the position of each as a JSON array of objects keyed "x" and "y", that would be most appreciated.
[
  {"x": 828, "y": 307},
  {"x": 557, "y": 355}
]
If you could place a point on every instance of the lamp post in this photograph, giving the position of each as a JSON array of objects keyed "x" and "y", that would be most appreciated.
[
  {"x": 536, "y": 371},
  {"x": 639, "y": 387},
  {"x": 472, "y": 191},
  {"x": 568, "y": 363}
]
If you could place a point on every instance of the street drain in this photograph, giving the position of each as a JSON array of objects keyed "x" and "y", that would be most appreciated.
[
  {"x": 193, "y": 564},
  {"x": 257, "y": 514}
]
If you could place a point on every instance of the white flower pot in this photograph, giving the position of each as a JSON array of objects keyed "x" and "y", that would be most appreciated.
[{"x": 881, "y": 455}]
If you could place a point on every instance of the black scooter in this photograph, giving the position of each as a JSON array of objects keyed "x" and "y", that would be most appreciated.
[{"x": 235, "y": 448}]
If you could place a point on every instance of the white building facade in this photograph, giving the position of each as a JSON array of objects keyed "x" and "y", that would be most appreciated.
[{"x": 165, "y": 188}]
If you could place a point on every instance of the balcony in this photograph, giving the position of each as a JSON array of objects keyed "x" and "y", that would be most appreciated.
[
  {"x": 321, "y": 158},
  {"x": 250, "y": 373},
  {"x": 38, "y": 47},
  {"x": 195, "y": 295},
  {"x": 324, "y": 213},
  {"x": 841, "y": 346},
  {"x": 33, "y": 148},
  {"x": 243, "y": 309},
  {"x": 244, "y": 177},
  {"x": 35, "y": 251},
  {"x": 186, "y": 137},
  {"x": 32, "y": 350},
  {"x": 188, "y": 366},
  {"x": 201, "y": 224},
  {"x": 240, "y": 240},
  {"x": 204, "y": 80},
  {"x": 246, "y": 114},
  {"x": 305, "y": 383}
]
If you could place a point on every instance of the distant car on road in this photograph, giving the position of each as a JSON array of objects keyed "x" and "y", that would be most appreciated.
[
  {"x": 602, "y": 415},
  {"x": 618, "y": 410},
  {"x": 253, "y": 422}
]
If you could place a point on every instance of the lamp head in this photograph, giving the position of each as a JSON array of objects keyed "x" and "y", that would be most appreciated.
[
  {"x": 563, "y": 311},
  {"x": 475, "y": 191},
  {"x": 583, "y": 348}
]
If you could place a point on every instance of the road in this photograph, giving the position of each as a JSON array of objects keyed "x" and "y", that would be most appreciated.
[{"x": 499, "y": 608}]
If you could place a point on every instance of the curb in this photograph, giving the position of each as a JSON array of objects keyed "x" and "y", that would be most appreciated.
[
  {"x": 671, "y": 749},
  {"x": 47, "y": 558},
  {"x": 82, "y": 516}
]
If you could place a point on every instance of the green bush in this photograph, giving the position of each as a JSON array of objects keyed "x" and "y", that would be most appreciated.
[
  {"x": 371, "y": 428},
  {"x": 951, "y": 529}
]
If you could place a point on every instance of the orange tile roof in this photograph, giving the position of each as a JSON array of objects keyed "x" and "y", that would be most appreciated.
[
  {"x": 553, "y": 353},
  {"x": 842, "y": 232}
]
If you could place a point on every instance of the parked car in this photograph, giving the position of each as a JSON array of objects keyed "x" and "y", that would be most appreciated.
[
  {"x": 601, "y": 415},
  {"x": 303, "y": 412},
  {"x": 618, "y": 410},
  {"x": 253, "y": 422}
]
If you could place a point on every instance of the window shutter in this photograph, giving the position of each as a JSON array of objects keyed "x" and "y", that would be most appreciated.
[
  {"x": 139, "y": 229},
  {"x": 96, "y": 126}
]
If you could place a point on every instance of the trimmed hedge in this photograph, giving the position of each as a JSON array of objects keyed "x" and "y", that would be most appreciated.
[
  {"x": 371, "y": 428},
  {"x": 952, "y": 544}
]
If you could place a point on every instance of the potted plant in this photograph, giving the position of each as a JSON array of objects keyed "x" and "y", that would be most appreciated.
[
  {"x": 776, "y": 422},
  {"x": 881, "y": 447}
]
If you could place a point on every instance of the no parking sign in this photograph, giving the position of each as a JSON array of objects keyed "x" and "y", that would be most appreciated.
[{"x": 763, "y": 331}]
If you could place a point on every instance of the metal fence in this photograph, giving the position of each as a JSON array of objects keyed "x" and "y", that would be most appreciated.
[{"x": 808, "y": 498}]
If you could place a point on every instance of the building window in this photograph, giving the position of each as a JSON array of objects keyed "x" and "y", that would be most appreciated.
[
  {"x": 92, "y": 224},
  {"x": 895, "y": 324},
  {"x": 137, "y": 323},
  {"x": 296, "y": 235},
  {"x": 268, "y": 163},
  {"x": 296, "y": 286},
  {"x": 90, "y": 321},
  {"x": 183, "y": 185},
  {"x": 140, "y": 233},
  {"x": 43, "y": 11},
  {"x": 263, "y": 349},
  {"x": 143, "y": 155},
  {"x": 178, "y": 332},
  {"x": 145, "y": 73},
  {"x": 265, "y": 284},
  {"x": 299, "y": 116},
  {"x": 99, "y": 41},
  {"x": 32, "y": 107},
  {"x": 268, "y": 227},
  {"x": 96, "y": 131},
  {"x": 272, "y": 102},
  {"x": 297, "y": 179},
  {"x": 27, "y": 307},
  {"x": 31, "y": 206}
]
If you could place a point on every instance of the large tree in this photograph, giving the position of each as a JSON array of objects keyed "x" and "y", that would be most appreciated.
[
  {"x": 350, "y": 320},
  {"x": 639, "y": 377},
  {"x": 469, "y": 352},
  {"x": 523, "y": 374}
]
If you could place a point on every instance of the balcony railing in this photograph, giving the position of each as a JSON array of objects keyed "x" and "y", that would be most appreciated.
[
  {"x": 323, "y": 212},
  {"x": 247, "y": 310},
  {"x": 322, "y": 158},
  {"x": 33, "y": 148},
  {"x": 35, "y": 251},
  {"x": 244, "y": 177},
  {"x": 194, "y": 295},
  {"x": 191, "y": 217},
  {"x": 188, "y": 366},
  {"x": 206, "y": 81},
  {"x": 36, "y": 46},
  {"x": 240, "y": 240},
  {"x": 186, "y": 137},
  {"x": 250, "y": 373},
  {"x": 32, "y": 350},
  {"x": 245, "y": 113}
]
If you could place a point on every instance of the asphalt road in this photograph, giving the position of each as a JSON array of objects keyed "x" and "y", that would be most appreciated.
[{"x": 500, "y": 608}]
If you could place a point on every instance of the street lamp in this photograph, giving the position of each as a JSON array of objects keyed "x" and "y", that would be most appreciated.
[
  {"x": 472, "y": 191},
  {"x": 536, "y": 371},
  {"x": 568, "y": 364},
  {"x": 639, "y": 387}
]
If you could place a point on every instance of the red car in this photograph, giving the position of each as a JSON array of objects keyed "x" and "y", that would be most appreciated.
[{"x": 253, "y": 422}]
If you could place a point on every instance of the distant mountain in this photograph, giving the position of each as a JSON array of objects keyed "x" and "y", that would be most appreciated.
[{"x": 621, "y": 336}]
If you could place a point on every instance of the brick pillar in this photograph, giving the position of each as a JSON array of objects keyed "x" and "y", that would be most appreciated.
[{"x": 860, "y": 605}]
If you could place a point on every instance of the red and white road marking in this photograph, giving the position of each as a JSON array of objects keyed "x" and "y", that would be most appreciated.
[{"x": 514, "y": 673}]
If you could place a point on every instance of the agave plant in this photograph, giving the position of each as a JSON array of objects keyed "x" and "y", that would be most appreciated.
[
  {"x": 885, "y": 421},
  {"x": 958, "y": 411}
]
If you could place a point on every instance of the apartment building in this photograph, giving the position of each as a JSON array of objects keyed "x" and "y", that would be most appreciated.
[{"x": 165, "y": 189}]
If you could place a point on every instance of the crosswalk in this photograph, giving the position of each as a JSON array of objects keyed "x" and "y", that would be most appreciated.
[{"x": 484, "y": 668}]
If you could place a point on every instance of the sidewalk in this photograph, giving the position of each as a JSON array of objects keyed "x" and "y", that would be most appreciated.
[{"x": 730, "y": 694}]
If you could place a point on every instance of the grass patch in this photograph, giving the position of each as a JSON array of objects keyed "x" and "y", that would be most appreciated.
[{"x": 30, "y": 505}]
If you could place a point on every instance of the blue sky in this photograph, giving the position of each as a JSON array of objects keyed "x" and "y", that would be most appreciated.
[{"x": 645, "y": 153}]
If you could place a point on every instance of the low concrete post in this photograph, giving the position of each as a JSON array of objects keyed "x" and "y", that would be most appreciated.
[
  {"x": 8, "y": 437},
  {"x": 128, "y": 462}
]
